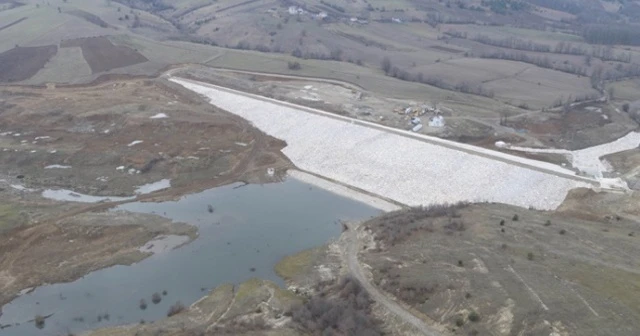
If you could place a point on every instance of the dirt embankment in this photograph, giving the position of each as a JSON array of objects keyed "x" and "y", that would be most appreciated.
[{"x": 107, "y": 139}]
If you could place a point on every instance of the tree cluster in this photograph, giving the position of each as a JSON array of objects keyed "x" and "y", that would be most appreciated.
[
  {"x": 465, "y": 87},
  {"x": 568, "y": 6},
  {"x": 147, "y": 5},
  {"x": 541, "y": 61},
  {"x": 513, "y": 43},
  {"x": 612, "y": 34},
  {"x": 343, "y": 309},
  {"x": 397, "y": 226}
]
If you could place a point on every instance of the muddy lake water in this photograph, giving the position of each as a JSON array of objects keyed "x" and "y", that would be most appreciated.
[{"x": 251, "y": 228}]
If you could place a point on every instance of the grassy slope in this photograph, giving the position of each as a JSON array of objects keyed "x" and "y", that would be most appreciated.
[{"x": 10, "y": 217}]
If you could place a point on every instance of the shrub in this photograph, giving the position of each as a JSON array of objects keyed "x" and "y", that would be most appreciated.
[
  {"x": 474, "y": 317},
  {"x": 502, "y": 222},
  {"x": 563, "y": 231},
  {"x": 156, "y": 298},
  {"x": 344, "y": 309},
  {"x": 625, "y": 107},
  {"x": 548, "y": 223},
  {"x": 386, "y": 65},
  {"x": 39, "y": 321},
  {"x": 515, "y": 218},
  {"x": 143, "y": 304},
  {"x": 530, "y": 255},
  {"x": 460, "y": 263},
  {"x": 459, "y": 322},
  {"x": 164, "y": 292},
  {"x": 294, "y": 65},
  {"x": 176, "y": 308},
  {"x": 467, "y": 295}
]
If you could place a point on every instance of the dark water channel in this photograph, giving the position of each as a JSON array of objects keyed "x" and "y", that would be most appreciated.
[{"x": 251, "y": 228}]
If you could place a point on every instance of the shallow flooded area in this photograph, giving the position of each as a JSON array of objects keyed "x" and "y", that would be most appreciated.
[{"x": 244, "y": 230}]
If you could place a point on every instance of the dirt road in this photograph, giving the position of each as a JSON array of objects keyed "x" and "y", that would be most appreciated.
[{"x": 355, "y": 268}]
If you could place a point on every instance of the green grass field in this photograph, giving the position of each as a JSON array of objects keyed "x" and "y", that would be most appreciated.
[
  {"x": 626, "y": 90},
  {"x": 506, "y": 31},
  {"x": 10, "y": 217}
]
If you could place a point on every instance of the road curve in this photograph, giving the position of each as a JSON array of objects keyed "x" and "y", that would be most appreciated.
[{"x": 355, "y": 268}]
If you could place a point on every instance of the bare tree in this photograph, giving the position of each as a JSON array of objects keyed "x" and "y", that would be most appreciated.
[{"x": 386, "y": 65}]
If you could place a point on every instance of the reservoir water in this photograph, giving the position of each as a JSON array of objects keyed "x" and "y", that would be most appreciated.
[{"x": 250, "y": 229}]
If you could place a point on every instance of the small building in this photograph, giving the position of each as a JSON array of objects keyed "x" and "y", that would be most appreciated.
[
  {"x": 437, "y": 121},
  {"x": 322, "y": 15},
  {"x": 295, "y": 10},
  {"x": 417, "y": 128},
  {"x": 396, "y": 20}
]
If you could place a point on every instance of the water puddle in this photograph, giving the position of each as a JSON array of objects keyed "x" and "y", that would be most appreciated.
[
  {"x": 152, "y": 187},
  {"x": 243, "y": 232},
  {"x": 72, "y": 196},
  {"x": 164, "y": 244}
]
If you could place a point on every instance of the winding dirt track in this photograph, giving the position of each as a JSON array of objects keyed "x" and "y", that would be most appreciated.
[{"x": 355, "y": 268}]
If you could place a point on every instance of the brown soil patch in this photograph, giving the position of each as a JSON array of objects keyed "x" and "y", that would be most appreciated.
[
  {"x": 575, "y": 129},
  {"x": 21, "y": 63},
  {"x": 102, "y": 55},
  {"x": 93, "y": 130},
  {"x": 625, "y": 162}
]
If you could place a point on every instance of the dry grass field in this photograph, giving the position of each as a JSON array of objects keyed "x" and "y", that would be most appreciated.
[{"x": 495, "y": 269}]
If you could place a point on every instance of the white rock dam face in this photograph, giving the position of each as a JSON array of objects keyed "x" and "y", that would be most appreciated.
[{"x": 400, "y": 168}]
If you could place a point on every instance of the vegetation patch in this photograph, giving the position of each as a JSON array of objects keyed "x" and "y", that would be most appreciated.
[
  {"x": 340, "y": 309},
  {"x": 10, "y": 217},
  {"x": 96, "y": 20},
  {"x": 446, "y": 49},
  {"x": 293, "y": 265},
  {"x": 397, "y": 226}
]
